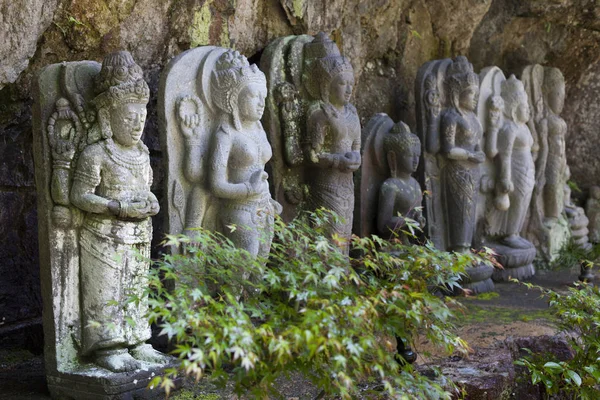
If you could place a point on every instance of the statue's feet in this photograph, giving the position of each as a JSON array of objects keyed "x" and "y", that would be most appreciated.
[
  {"x": 118, "y": 360},
  {"x": 516, "y": 242},
  {"x": 549, "y": 222},
  {"x": 145, "y": 352}
]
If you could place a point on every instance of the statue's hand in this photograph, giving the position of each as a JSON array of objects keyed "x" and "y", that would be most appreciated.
[
  {"x": 477, "y": 157},
  {"x": 505, "y": 186},
  {"x": 258, "y": 180},
  {"x": 350, "y": 161},
  {"x": 63, "y": 150},
  {"x": 136, "y": 209}
]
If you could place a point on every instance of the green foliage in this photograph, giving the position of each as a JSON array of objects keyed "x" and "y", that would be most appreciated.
[
  {"x": 578, "y": 314},
  {"x": 309, "y": 308},
  {"x": 571, "y": 255}
]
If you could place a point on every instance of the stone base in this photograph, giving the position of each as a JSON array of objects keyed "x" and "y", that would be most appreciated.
[
  {"x": 94, "y": 383},
  {"x": 517, "y": 263},
  {"x": 479, "y": 279},
  {"x": 505, "y": 275}
]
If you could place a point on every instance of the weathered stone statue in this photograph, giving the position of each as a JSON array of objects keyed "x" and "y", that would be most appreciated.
[
  {"x": 508, "y": 172},
  {"x": 592, "y": 210},
  {"x": 388, "y": 192},
  {"x": 578, "y": 221},
  {"x": 451, "y": 134},
  {"x": 210, "y": 104},
  {"x": 546, "y": 226},
  {"x": 314, "y": 129},
  {"x": 94, "y": 177}
]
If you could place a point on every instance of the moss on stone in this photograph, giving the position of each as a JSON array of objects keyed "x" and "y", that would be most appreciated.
[
  {"x": 500, "y": 315},
  {"x": 199, "y": 30}
]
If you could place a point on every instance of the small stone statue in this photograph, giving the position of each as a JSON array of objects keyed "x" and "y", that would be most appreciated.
[
  {"x": 508, "y": 172},
  {"x": 210, "y": 102},
  {"x": 578, "y": 221},
  {"x": 400, "y": 195},
  {"x": 389, "y": 193},
  {"x": 592, "y": 210},
  {"x": 547, "y": 227},
  {"x": 95, "y": 211},
  {"x": 314, "y": 129},
  {"x": 451, "y": 134}
]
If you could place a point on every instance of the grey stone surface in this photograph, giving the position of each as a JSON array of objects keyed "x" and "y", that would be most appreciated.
[
  {"x": 314, "y": 128},
  {"x": 592, "y": 211},
  {"x": 93, "y": 177},
  {"x": 210, "y": 104}
]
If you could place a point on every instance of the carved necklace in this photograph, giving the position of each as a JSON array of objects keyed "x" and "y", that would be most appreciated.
[{"x": 135, "y": 162}]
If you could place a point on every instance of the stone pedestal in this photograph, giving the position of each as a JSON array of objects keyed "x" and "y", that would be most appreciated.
[
  {"x": 90, "y": 382},
  {"x": 517, "y": 263},
  {"x": 479, "y": 279}
]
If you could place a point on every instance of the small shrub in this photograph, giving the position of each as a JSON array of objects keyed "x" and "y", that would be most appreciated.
[
  {"x": 578, "y": 314},
  {"x": 309, "y": 308}
]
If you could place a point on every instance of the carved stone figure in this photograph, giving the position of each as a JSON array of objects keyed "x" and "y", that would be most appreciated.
[
  {"x": 450, "y": 132},
  {"x": 578, "y": 221},
  {"x": 314, "y": 129},
  {"x": 388, "y": 192},
  {"x": 546, "y": 226},
  {"x": 94, "y": 176},
  {"x": 592, "y": 210},
  {"x": 508, "y": 173},
  {"x": 210, "y": 103}
]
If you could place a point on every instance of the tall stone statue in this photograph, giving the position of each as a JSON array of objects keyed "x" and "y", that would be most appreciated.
[
  {"x": 508, "y": 173},
  {"x": 93, "y": 175},
  {"x": 592, "y": 210},
  {"x": 451, "y": 135},
  {"x": 546, "y": 226},
  {"x": 210, "y": 104},
  {"x": 314, "y": 129}
]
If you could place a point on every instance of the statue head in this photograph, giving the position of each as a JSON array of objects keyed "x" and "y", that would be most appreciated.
[
  {"x": 239, "y": 89},
  {"x": 402, "y": 149},
  {"x": 122, "y": 96},
  {"x": 332, "y": 74},
  {"x": 462, "y": 84},
  {"x": 554, "y": 89},
  {"x": 516, "y": 106}
]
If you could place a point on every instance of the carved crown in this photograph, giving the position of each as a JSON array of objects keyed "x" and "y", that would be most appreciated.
[
  {"x": 460, "y": 75},
  {"x": 120, "y": 81},
  {"x": 231, "y": 74}
]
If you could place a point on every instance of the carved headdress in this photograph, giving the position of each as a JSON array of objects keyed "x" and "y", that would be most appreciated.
[
  {"x": 233, "y": 73},
  {"x": 120, "y": 81},
  {"x": 513, "y": 93},
  {"x": 401, "y": 140},
  {"x": 327, "y": 63},
  {"x": 460, "y": 76}
]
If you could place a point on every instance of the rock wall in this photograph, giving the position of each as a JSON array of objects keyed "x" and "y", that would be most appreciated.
[{"x": 387, "y": 41}]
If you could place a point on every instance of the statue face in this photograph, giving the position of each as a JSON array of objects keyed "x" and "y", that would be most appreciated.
[
  {"x": 468, "y": 98},
  {"x": 251, "y": 102},
  {"x": 407, "y": 161},
  {"x": 340, "y": 89},
  {"x": 127, "y": 123},
  {"x": 556, "y": 98}
]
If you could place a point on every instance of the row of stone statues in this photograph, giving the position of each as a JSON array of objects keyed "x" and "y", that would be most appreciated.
[{"x": 495, "y": 176}]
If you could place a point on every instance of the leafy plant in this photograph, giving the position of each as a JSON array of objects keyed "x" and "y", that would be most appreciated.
[
  {"x": 578, "y": 314},
  {"x": 308, "y": 308}
]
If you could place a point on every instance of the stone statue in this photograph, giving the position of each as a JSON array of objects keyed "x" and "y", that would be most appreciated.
[
  {"x": 210, "y": 103},
  {"x": 388, "y": 192},
  {"x": 314, "y": 129},
  {"x": 451, "y": 134},
  {"x": 508, "y": 173},
  {"x": 592, "y": 210},
  {"x": 578, "y": 221},
  {"x": 94, "y": 177},
  {"x": 546, "y": 226}
]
